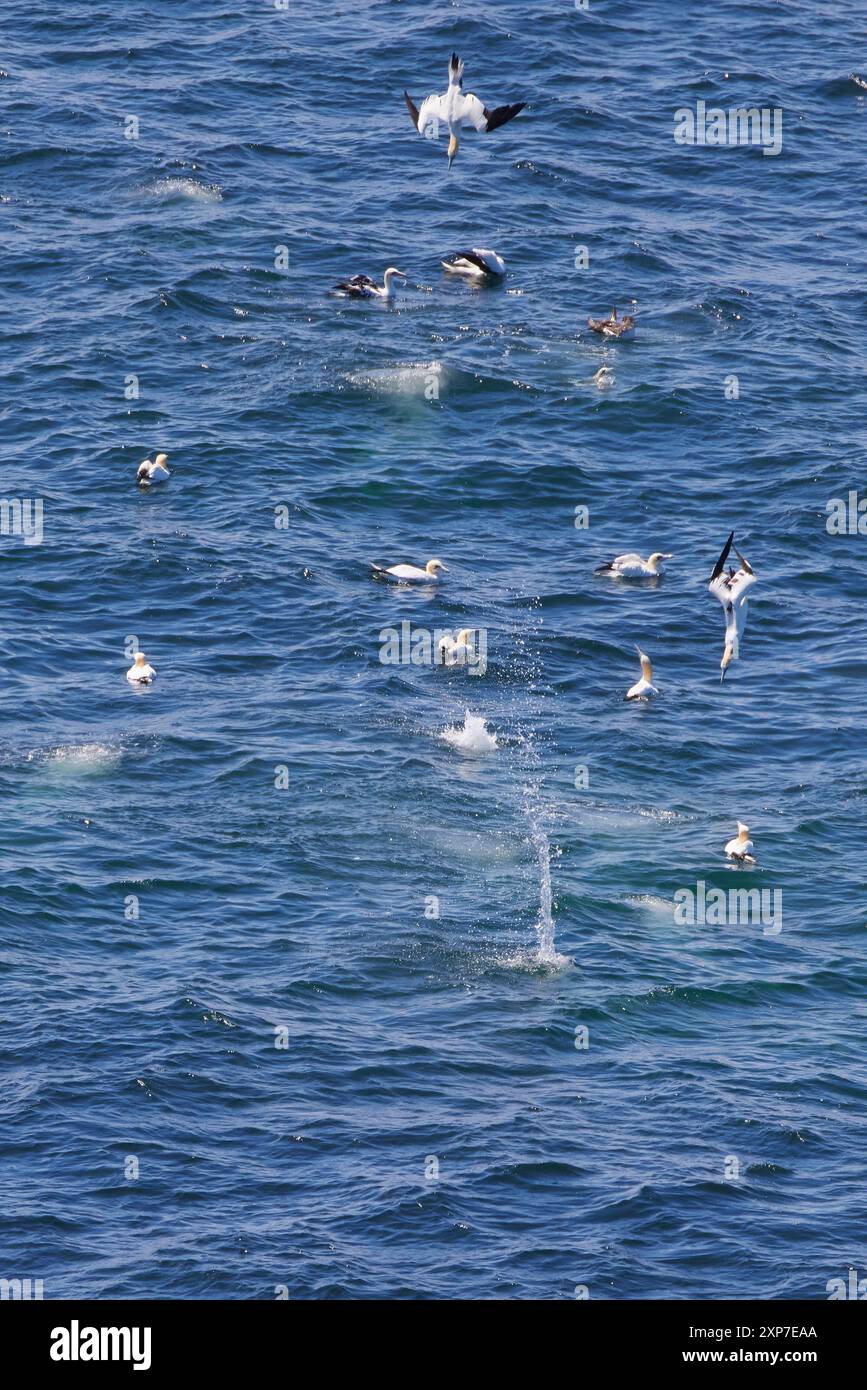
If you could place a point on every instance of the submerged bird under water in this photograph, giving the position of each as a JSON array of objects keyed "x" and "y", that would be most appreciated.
[
  {"x": 362, "y": 287},
  {"x": 613, "y": 327},
  {"x": 477, "y": 264},
  {"x": 455, "y": 106},
  {"x": 732, "y": 591},
  {"x": 643, "y": 689},
  {"x": 412, "y": 574},
  {"x": 155, "y": 472},
  {"x": 633, "y": 567},
  {"x": 740, "y": 847}
]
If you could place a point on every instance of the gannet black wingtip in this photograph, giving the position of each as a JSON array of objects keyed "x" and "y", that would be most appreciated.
[{"x": 720, "y": 564}]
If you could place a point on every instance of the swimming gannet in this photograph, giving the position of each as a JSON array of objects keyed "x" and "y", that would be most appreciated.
[
  {"x": 410, "y": 574},
  {"x": 613, "y": 327},
  {"x": 140, "y": 671},
  {"x": 456, "y": 106},
  {"x": 456, "y": 651},
  {"x": 362, "y": 287},
  {"x": 740, "y": 847},
  {"x": 643, "y": 690},
  {"x": 603, "y": 378},
  {"x": 732, "y": 590},
  {"x": 633, "y": 567},
  {"x": 155, "y": 472},
  {"x": 477, "y": 264}
]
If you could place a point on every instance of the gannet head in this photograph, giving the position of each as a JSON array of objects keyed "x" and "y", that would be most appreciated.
[
  {"x": 743, "y": 831},
  {"x": 646, "y": 668},
  {"x": 160, "y": 460},
  {"x": 726, "y": 660},
  {"x": 391, "y": 272},
  {"x": 433, "y": 568},
  {"x": 464, "y": 636},
  {"x": 656, "y": 557},
  {"x": 139, "y": 658},
  {"x": 453, "y": 148}
]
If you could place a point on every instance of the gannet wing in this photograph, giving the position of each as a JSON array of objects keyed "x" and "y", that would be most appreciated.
[
  {"x": 432, "y": 109},
  {"x": 628, "y": 560},
  {"x": 470, "y": 108},
  {"x": 720, "y": 564}
]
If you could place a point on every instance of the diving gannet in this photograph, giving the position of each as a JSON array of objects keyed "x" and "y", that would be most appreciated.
[
  {"x": 140, "y": 672},
  {"x": 740, "y": 847},
  {"x": 411, "y": 574},
  {"x": 155, "y": 472},
  {"x": 633, "y": 567},
  {"x": 456, "y": 106},
  {"x": 362, "y": 287},
  {"x": 643, "y": 690},
  {"x": 613, "y": 327},
  {"x": 456, "y": 651},
  {"x": 477, "y": 264},
  {"x": 732, "y": 590}
]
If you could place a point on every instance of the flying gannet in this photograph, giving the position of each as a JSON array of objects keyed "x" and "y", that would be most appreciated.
[
  {"x": 155, "y": 472},
  {"x": 140, "y": 671},
  {"x": 456, "y": 651},
  {"x": 477, "y": 264},
  {"x": 362, "y": 287},
  {"x": 643, "y": 689},
  {"x": 412, "y": 574},
  {"x": 613, "y": 327},
  {"x": 633, "y": 567},
  {"x": 732, "y": 590},
  {"x": 456, "y": 106},
  {"x": 740, "y": 847}
]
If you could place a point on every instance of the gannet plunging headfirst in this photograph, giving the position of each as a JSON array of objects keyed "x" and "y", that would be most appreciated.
[
  {"x": 740, "y": 847},
  {"x": 362, "y": 287},
  {"x": 613, "y": 327},
  {"x": 155, "y": 472},
  {"x": 633, "y": 567},
  {"x": 732, "y": 590},
  {"x": 477, "y": 264},
  {"x": 412, "y": 574},
  {"x": 140, "y": 671},
  {"x": 456, "y": 106},
  {"x": 643, "y": 689}
]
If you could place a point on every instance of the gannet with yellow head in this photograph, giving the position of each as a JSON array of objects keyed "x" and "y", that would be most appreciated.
[
  {"x": 412, "y": 574},
  {"x": 362, "y": 287},
  {"x": 643, "y": 689},
  {"x": 455, "y": 106},
  {"x": 633, "y": 567},
  {"x": 155, "y": 472},
  {"x": 140, "y": 671},
  {"x": 740, "y": 847},
  {"x": 456, "y": 651}
]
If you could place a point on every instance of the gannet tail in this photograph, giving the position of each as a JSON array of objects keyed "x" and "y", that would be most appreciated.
[{"x": 456, "y": 70}]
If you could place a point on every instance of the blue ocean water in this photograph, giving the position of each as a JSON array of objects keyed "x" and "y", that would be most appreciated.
[{"x": 240, "y": 1052}]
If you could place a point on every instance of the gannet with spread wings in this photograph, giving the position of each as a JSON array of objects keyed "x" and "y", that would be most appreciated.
[
  {"x": 732, "y": 590},
  {"x": 454, "y": 107}
]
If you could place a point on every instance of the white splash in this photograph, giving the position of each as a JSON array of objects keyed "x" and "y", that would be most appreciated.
[
  {"x": 546, "y": 954},
  {"x": 417, "y": 378},
  {"x": 185, "y": 188},
  {"x": 473, "y": 738},
  {"x": 74, "y": 758}
]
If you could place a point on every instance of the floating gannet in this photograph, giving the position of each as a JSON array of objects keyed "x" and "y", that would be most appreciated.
[
  {"x": 477, "y": 264},
  {"x": 633, "y": 567},
  {"x": 613, "y": 327},
  {"x": 362, "y": 287},
  {"x": 740, "y": 847},
  {"x": 411, "y": 574},
  {"x": 456, "y": 106},
  {"x": 732, "y": 590},
  {"x": 456, "y": 651},
  {"x": 603, "y": 378},
  {"x": 155, "y": 472},
  {"x": 862, "y": 82},
  {"x": 140, "y": 672},
  {"x": 643, "y": 690}
]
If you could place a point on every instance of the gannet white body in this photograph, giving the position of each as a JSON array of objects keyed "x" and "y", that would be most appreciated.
[
  {"x": 412, "y": 574},
  {"x": 140, "y": 671},
  {"x": 732, "y": 591},
  {"x": 155, "y": 472},
  {"x": 455, "y": 106},
  {"x": 643, "y": 689},
  {"x": 740, "y": 847},
  {"x": 456, "y": 651},
  {"x": 603, "y": 378},
  {"x": 633, "y": 567},
  {"x": 362, "y": 287},
  {"x": 477, "y": 264}
]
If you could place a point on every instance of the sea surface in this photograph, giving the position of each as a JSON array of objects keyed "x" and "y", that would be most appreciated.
[{"x": 304, "y": 990}]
